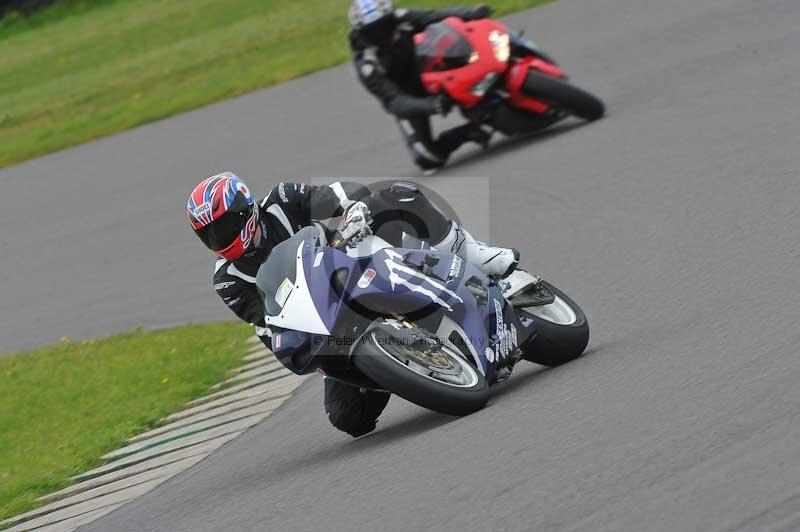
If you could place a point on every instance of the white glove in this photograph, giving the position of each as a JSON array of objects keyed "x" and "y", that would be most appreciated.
[{"x": 354, "y": 226}]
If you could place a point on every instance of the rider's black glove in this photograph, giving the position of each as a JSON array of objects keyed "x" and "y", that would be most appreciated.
[{"x": 482, "y": 11}]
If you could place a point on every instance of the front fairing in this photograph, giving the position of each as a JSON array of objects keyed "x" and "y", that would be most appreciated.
[
  {"x": 334, "y": 296},
  {"x": 460, "y": 79}
]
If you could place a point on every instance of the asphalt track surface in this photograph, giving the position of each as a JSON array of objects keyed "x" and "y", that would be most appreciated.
[{"x": 674, "y": 222}]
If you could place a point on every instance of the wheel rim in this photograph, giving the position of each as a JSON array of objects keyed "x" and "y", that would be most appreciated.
[
  {"x": 558, "y": 312},
  {"x": 441, "y": 363}
]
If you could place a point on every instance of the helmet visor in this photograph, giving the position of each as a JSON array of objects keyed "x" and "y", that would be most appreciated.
[{"x": 220, "y": 233}]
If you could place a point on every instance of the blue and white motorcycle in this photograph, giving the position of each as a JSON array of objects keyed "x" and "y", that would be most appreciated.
[{"x": 420, "y": 323}]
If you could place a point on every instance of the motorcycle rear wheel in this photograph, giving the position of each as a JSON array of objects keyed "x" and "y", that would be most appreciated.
[
  {"x": 562, "y": 331},
  {"x": 442, "y": 381},
  {"x": 564, "y": 95}
]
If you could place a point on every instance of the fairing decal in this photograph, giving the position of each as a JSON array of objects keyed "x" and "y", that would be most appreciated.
[
  {"x": 395, "y": 279},
  {"x": 300, "y": 313}
]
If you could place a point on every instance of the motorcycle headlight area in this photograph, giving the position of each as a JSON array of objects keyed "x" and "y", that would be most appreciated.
[
  {"x": 501, "y": 44},
  {"x": 480, "y": 88}
]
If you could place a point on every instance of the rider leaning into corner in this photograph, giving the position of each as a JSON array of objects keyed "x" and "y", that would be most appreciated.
[
  {"x": 242, "y": 232},
  {"x": 382, "y": 41}
]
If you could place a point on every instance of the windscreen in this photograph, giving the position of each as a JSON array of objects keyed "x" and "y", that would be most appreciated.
[
  {"x": 276, "y": 277},
  {"x": 442, "y": 48}
]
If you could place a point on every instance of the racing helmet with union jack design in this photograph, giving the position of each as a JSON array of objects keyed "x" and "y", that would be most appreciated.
[{"x": 223, "y": 213}]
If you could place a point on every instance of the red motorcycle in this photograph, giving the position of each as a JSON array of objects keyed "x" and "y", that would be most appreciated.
[{"x": 498, "y": 78}]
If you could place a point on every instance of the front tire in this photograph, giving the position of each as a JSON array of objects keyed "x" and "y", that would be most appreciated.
[
  {"x": 562, "y": 331},
  {"x": 564, "y": 95},
  {"x": 422, "y": 379}
]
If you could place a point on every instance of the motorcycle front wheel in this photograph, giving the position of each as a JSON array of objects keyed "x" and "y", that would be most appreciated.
[
  {"x": 562, "y": 331},
  {"x": 564, "y": 95},
  {"x": 437, "y": 378}
]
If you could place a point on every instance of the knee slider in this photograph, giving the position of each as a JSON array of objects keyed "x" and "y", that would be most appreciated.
[{"x": 354, "y": 423}]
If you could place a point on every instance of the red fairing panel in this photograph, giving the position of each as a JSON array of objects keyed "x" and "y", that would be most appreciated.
[
  {"x": 457, "y": 82},
  {"x": 516, "y": 77}
]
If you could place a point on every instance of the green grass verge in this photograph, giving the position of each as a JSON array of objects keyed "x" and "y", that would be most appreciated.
[
  {"x": 85, "y": 69},
  {"x": 62, "y": 407}
]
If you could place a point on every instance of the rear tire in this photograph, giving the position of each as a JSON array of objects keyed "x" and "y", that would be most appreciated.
[
  {"x": 373, "y": 357},
  {"x": 556, "y": 343},
  {"x": 564, "y": 95}
]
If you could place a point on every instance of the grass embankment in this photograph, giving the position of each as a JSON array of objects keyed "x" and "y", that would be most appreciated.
[
  {"x": 62, "y": 407},
  {"x": 84, "y": 69}
]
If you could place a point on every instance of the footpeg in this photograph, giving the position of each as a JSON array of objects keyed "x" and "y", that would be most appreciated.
[
  {"x": 523, "y": 289},
  {"x": 518, "y": 281}
]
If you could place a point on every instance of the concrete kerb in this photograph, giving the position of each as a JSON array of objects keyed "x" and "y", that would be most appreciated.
[
  {"x": 228, "y": 408},
  {"x": 188, "y": 430},
  {"x": 86, "y": 506},
  {"x": 263, "y": 390},
  {"x": 150, "y": 458},
  {"x": 255, "y": 340},
  {"x": 205, "y": 437},
  {"x": 252, "y": 374},
  {"x": 70, "y": 524},
  {"x": 287, "y": 377},
  {"x": 123, "y": 474},
  {"x": 256, "y": 355},
  {"x": 257, "y": 364},
  {"x": 112, "y": 487}
]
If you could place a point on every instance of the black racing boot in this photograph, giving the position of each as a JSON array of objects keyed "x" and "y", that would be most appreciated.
[{"x": 481, "y": 135}]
